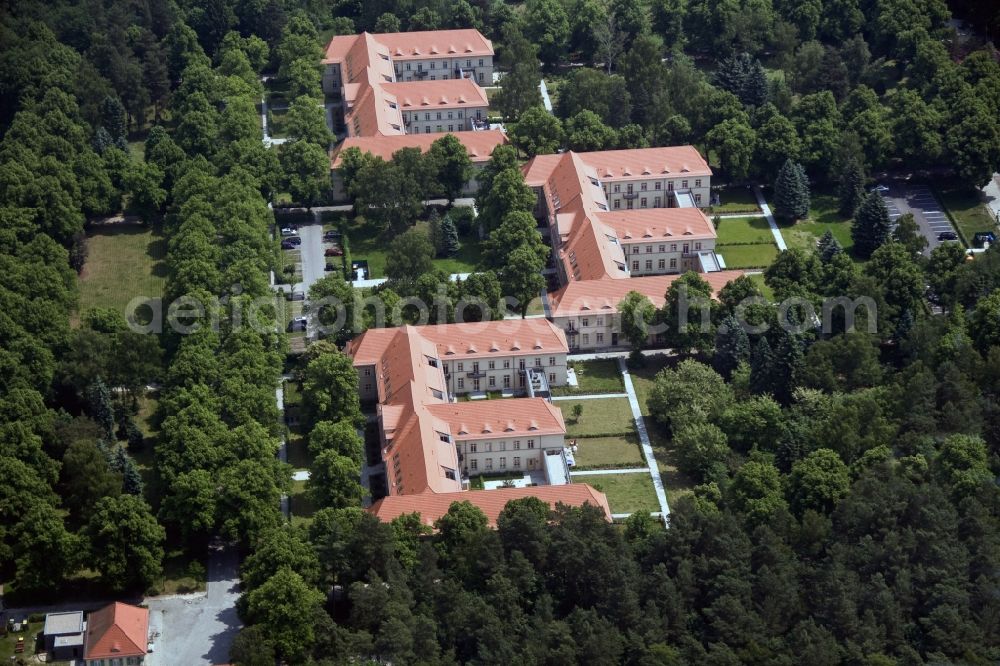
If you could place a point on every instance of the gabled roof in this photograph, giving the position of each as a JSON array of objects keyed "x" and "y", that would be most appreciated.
[
  {"x": 658, "y": 224},
  {"x": 638, "y": 163},
  {"x": 430, "y": 95},
  {"x": 117, "y": 630},
  {"x": 597, "y": 297},
  {"x": 479, "y": 145},
  {"x": 424, "y": 44},
  {"x": 490, "y": 502},
  {"x": 489, "y": 419}
]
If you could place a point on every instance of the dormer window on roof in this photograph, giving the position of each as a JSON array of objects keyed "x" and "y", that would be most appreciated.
[
  {"x": 510, "y": 426},
  {"x": 463, "y": 429},
  {"x": 533, "y": 425},
  {"x": 516, "y": 346},
  {"x": 472, "y": 349},
  {"x": 494, "y": 347},
  {"x": 538, "y": 344},
  {"x": 487, "y": 428}
]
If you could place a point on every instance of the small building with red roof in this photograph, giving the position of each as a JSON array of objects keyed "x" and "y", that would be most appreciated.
[{"x": 116, "y": 635}]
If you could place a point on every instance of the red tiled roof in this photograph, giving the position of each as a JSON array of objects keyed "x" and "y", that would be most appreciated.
[
  {"x": 649, "y": 224},
  {"x": 479, "y": 145},
  {"x": 486, "y": 419},
  {"x": 117, "y": 630},
  {"x": 421, "y": 45},
  {"x": 444, "y": 94},
  {"x": 597, "y": 296},
  {"x": 490, "y": 502},
  {"x": 638, "y": 163}
]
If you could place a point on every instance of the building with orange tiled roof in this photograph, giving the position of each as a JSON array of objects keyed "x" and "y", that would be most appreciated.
[
  {"x": 479, "y": 145},
  {"x": 116, "y": 634},
  {"x": 431, "y": 444},
  {"x": 369, "y": 77},
  {"x": 490, "y": 502},
  {"x": 587, "y": 310}
]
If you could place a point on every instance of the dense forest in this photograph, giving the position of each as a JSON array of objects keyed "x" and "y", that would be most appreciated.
[{"x": 847, "y": 508}]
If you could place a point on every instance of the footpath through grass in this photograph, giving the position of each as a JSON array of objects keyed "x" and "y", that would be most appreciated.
[{"x": 123, "y": 261}]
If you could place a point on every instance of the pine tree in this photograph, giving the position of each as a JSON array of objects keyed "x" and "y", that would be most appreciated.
[
  {"x": 828, "y": 247},
  {"x": 872, "y": 226},
  {"x": 449, "y": 238},
  {"x": 122, "y": 463},
  {"x": 743, "y": 75},
  {"x": 101, "y": 409},
  {"x": 788, "y": 360},
  {"x": 850, "y": 189},
  {"x": 791, "y": 192},
  {"x": 112, "y": 119},
  {"x": 755, "y": 86},
  {"x": 732, "y": 345},
  {"x": 761, "y": 367}
]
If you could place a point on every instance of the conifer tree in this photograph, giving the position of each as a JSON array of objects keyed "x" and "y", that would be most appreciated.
[
  {"x": 791, "y": 192},
  {"x": 788, "y": 359},
  {"x": 732, "y": 346},
  {"x": 872, "y": 226},
  {"x": 762, "y": 367},
  {"x": 100, "y": 407},
  {"x": 850, "y": 189},
  {"x": 449, "y": 238},
  {"x": 828, "y": 247}
]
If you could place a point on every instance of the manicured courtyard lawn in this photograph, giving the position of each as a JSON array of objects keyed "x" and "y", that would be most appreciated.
[
  {"x": 735, "y": 200},
  {"x": 606, "y": 416},
  {"x": 966, "y": 210},
  {"x": 627, "y": 493},
  {"x": 748, "y": 256},
  {"x": 601, "y": 376},
  {"x": 123, "y": 261},
  {"x": 608, "y": 452},
  {"x": 744, "y": 230}
]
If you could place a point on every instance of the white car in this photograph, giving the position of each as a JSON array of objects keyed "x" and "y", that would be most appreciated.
[
  {"x": 288, "y": 231},
  {"x": 880, "y": 189}
]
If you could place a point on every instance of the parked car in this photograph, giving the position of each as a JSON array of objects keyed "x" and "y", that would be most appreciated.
[
  {"x": 288, "y": 245},
  {"x": 294, "y": 240},
  {"x": 982, "y": 238},
  {"x": 298, "y": 324},
  {"x": 331, "y": 235},
  {"x": 947, "y": 236},
  {"x": 297, "y": 296},
  {"x": 880, "y": 188},
  {"x": 289, "y": 231},
  {"x": 333, "y": 252}
]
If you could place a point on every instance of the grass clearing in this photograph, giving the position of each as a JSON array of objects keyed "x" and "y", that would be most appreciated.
[
  {"x": 367, "y": 243},
  {"x": 124, "y": 261},
  {"x": 627, "y": 493},
  {"x": 734, "y": 200},
  {"x": 297, "y": 449},
  {"x": 823, "y": 217},
  {"x": 608, "y": 452},
  {"x": 748, "y": 256},
  {"x": 967, "y": 211},
  {"x": 182, "y": 574},
  {"x": 758, "y": 279},
  {"x": 642, "y": 380},
  {"x": 300, "y": 504},
  {"x": 601, "y": 376},
  {"x": 606, "y": 416},
  {"x": 742, "y": 230}
]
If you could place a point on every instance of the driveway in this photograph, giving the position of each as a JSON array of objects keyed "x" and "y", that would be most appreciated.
[
  {"x": 196, "y": 629},
  {"x": 311, "y": 250},
  {"x": 903, "y": 198}
]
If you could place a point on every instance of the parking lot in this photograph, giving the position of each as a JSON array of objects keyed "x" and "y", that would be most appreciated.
[{"x": 902, "y": 198}]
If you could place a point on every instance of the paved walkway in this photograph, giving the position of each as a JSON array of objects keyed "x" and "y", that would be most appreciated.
[
  {"x": 728, "y": 215},
  {"x": 590, "y": 396},
  {"x": 647, "y": 447},
  {"x": 775, "y": 231},
  {"x": 546, "y": 101},
  {"x": 597, "y": 472},
  {"x": 991, "y": 196},
  {"x": 614, "y": 355}
]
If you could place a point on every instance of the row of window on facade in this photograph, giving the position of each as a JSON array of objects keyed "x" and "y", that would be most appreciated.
[
  {"x": 492, "y": 382},
  {"x": 488, "y": 463},
  {"x": 629, "y": 187},
  {"x": 433, "y": 65},
  {"x": 685, "y": 248},
  {"x": 644, "y": 202},
  {"x": 492, "y": 365},
  {"x": 501, "y": 446}
]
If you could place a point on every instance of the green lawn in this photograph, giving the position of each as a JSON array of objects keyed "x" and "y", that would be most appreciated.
[
  {"x": 179, "y": 575},
  {"x": 748, "y": 256},
  {"x": 627, "y": 493},
  {"x": 144, "y": 457},
  {"x": 744, "y": 230},
  {"x": 735, "y": 200},
  {"x": 823, "y": 217},
  {"x": 297, "y": 449},
  {"x": 607, "y": 416},
  {"x": 29, "y": 633},
  {"x": 758, "y": 279},
  {"x": 367, "y": 243},
  {"x": 300, "y": 504},
  {"x": 642, "y": 380},
  {"x": 592, "y": 377},
  {"x": 608, "y": 452},
  {"x": 276, "y": 123},
  {"x": 124, "y": 261},
  {"x": 967, "y": 211}
]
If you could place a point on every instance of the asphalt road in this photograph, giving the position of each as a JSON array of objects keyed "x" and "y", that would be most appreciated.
[
  {"x": 311, "y": 251},
  {"x": 918, "y": 199},
  {"x": 196, "y": 629}
]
